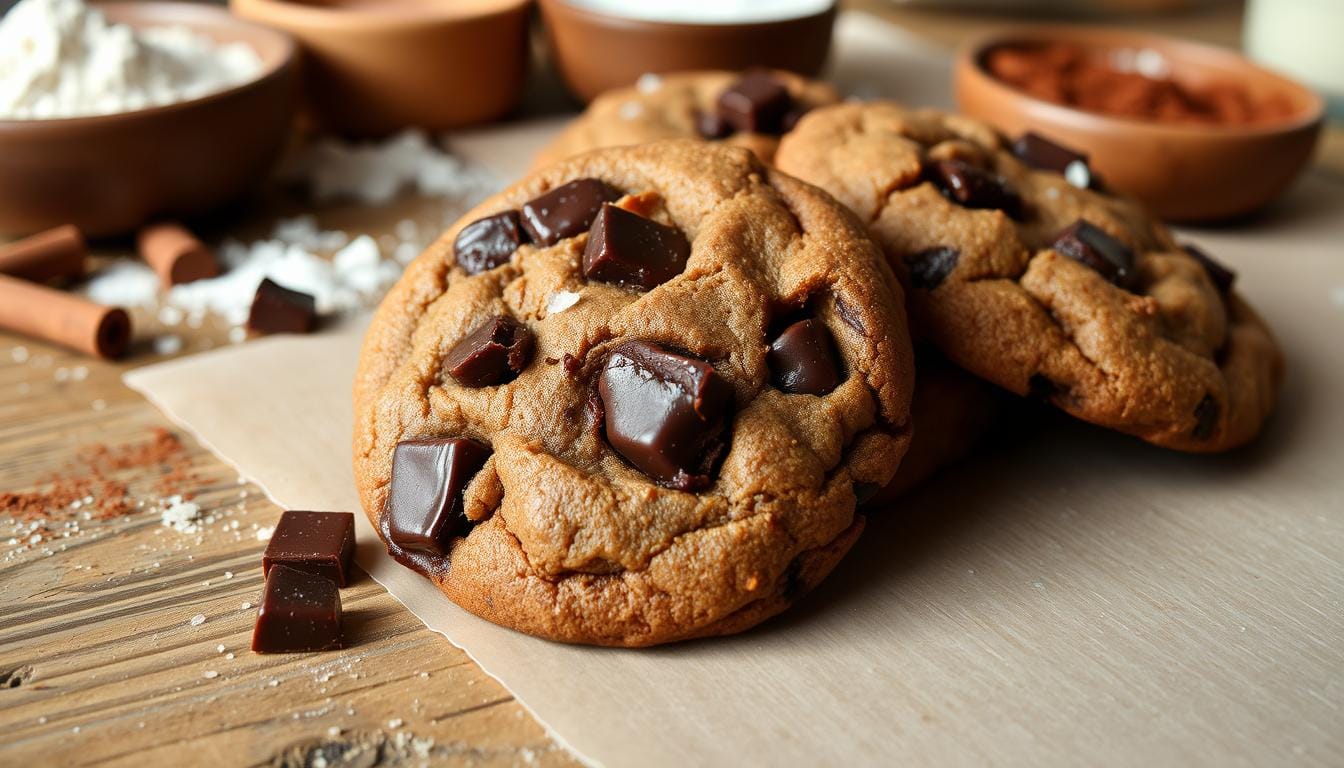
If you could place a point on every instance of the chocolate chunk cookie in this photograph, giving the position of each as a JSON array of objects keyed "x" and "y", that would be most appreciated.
[
  {"x": 599, "y": 439},
  {"x": 750, "y": 109},
  {"x": 1020, "y": 271}
]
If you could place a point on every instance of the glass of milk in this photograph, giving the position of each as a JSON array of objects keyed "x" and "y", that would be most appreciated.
[{"x": 1304, "y": 39}]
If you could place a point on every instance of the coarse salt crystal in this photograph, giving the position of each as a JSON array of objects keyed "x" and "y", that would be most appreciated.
[
  {"x": 648, "y": 83},
  {"x": 264, "y": 533},
  {"x": 181, "y": 516},
  {"x": 630, "y": 110},
  {"x": 560, "y": 301},
  {"x": 246, "y": 605},
  {"x": 210, "y": 674},
  {"x": 169, "y": 344},
  {"x": 395, "y": 723},
  {"x": 198, "y": 620},
  {"x": 19, "y": 354}
]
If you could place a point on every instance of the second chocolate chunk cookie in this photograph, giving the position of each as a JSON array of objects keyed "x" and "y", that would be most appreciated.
[
  {"x": 1020, "y": 271},
  {"x": 647, "y": 412},
  {"x": 751, "y": 109}
]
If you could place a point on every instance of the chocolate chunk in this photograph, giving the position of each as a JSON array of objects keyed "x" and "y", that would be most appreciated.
[
  {"x": 665, "y": 412},
  {"x": 492, "y": 354},
  {"x": 299, "y": 612},
  {"x": 1088, "y": 244},
  {"x": 803, "y": 360},
  {"x": 929, "y": 268},
  {"x": 487, "y": 243},
  {"x": 971, "y": 187},
  {"x": 320, "y": 543},
  {"x": 712, "y": 126},
  {"x": 792, "y": 117},
  {"x": 424, "y": 505},
  {"x": 757, "y": 103},
  {"x": 630, "y": 250},
  {"x": 280, "y": 310},
  {"x": 1039, "y": 152},
  {"x": 1222, "y": 277},
  {"x": 1206, "y": 418},
  {"x": 566, "y": 210}
]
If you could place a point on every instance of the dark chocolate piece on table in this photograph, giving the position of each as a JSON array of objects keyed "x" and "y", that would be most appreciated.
[
  {"x": 1089, "y": 244},
  {"x": 930, "y": 267},
  {"x": 276, "y": 309},
  {"x": 1039, "y": 152},
  {"x": 299, "y": 612},
  {"x": 665, "y": 412},
  {"x": 566, "y": 211},
  {"x": 493, "y": 354},
  {"x": 1222, "y": 277},
  {"x": 490, "y": 242},
  {"x": 630, "y": 250},
  {"x": 972, "y": 187},
  {"x": 802, "y": 359},
  {"x": 712, "y": 126},
  {"x": 424, "y": 504},
  {"x": 320, "y": 543},
  {"x": 757, "y": 103}
]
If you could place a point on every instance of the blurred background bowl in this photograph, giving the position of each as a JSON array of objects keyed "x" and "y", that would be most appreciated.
[
  {"x": 373, "y": 67},
  {"x": 595, "y": 51},
  {"x": 110, "y": 174},
  {"x": 1183, "y": 172}
]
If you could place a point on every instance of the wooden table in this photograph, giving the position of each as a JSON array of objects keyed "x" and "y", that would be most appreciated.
[{"x": 100, "y": 659}]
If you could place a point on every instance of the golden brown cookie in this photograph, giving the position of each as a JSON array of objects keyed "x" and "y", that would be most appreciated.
[
  {"x": 1024, "y": 278},
  {"x": 630, "y": 399},
  {"x": 686, "y": 106}
]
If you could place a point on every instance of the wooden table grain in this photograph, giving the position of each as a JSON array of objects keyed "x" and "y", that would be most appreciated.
[{"x": 104, "y": 656}]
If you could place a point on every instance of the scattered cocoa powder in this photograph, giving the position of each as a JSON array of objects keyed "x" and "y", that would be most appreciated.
[
  {"x": 91, "y": 476},
  {"x": 1077, "y": 76}
]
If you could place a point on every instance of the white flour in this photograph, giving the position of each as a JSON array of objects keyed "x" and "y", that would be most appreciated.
[{"x": 61, "y": 58}]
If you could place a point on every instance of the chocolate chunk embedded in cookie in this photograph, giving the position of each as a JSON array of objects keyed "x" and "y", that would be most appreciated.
[
  {"x": 660, "y": 466},
  {"x": 1040, "y": 283},
  {"x": 750, "y": 109}
]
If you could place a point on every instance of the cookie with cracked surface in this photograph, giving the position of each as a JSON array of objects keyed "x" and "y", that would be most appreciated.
[
  {"x": 1022, "y": 272},
  {"x": 572, "y": 414},
  {"x": 749, "y": 109}
]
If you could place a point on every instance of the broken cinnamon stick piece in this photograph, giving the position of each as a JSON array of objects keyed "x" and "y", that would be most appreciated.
[
  {"x": 63, "y": 318},
  {"x": 175, "y": 254},
  {"x": 55, "y": 254}
]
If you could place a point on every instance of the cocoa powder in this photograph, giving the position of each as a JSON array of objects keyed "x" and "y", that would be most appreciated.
[{"x": 1086, "y": 79}]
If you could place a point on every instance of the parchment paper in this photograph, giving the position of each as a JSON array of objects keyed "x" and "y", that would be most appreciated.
[{"x": 1069, "y": 596}]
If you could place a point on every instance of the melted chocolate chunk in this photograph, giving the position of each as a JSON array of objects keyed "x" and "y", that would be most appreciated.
[
  {"x": 1039, "y": 387},
  {"x": 424, "y": 505},
  {"x": 320, "y": 543},
  {"x": 276, "y": 309},
  {"x": 929, "y": 268},
  {"x": 712, "y": 126},
  {"x": 487, "y": 243},
  {"x": 1222, "y": 277},
  {"x": 1206, "y": 418},
  {"x": 792, "y": 117},
  {"x": 299, "y": 612},
  {"x": 1088, "y": 244},
  {"x": 1039, "y": 152},
  {"x": 971, "y": 187},
  {"x": 566, "y": 210},
  {"x": 492, "y": 354},
  {"x": 803, "y": 361},
  {"x": 633, "y": 251},
  {"x": 665, "y": 413},
  {"x": 756, "y": 103}
]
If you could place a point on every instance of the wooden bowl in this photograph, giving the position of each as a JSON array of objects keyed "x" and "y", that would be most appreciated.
[
  {"x": 111, "y": 173},
  {"x": 374, "y": 67},
  {"x": 595, "y": 52},
  {"x": 1184, "y": 173}
]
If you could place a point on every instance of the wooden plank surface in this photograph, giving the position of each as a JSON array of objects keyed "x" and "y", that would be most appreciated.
[{"x": 100, "y": 662}]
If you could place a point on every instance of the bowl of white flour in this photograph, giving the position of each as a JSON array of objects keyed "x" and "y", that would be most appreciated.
[{"x": 114, "y": 114}]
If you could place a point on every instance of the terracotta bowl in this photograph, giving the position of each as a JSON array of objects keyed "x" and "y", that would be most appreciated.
[
  {"x": 109, "y": 174},
  {"x": 1184, "y": 173},
  {"x": 373, "y": 67},
  {"x": 595, "y": 52}
]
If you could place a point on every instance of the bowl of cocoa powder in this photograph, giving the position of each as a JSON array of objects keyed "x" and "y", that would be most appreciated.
[{"x": 1196, "y": 132}]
